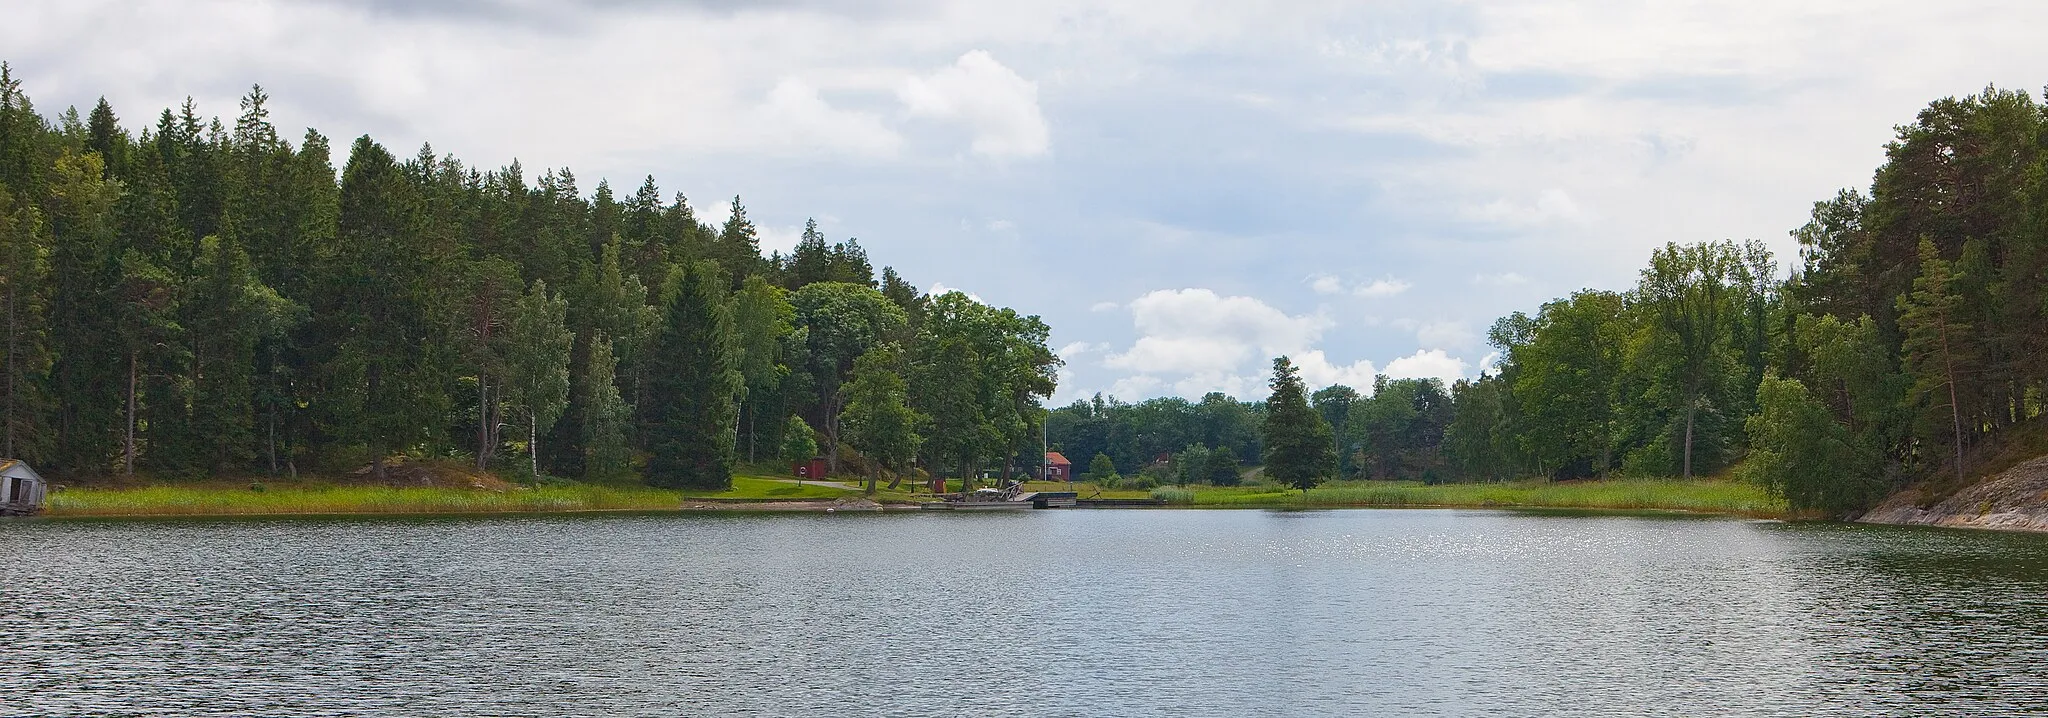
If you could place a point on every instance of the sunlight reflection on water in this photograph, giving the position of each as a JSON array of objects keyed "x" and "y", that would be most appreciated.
[{"x": 1051, "y": 613}]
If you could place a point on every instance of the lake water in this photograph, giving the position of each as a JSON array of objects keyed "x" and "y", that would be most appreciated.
[{"x": 1045, "y": 613}]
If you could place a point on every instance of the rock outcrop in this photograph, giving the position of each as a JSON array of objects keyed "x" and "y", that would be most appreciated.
[{"x": 2015, "y": 499}]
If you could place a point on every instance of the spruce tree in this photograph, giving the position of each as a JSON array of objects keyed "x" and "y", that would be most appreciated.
[
  {"x": 1300, "y": 451},
  {"x": 694, "y": 382},
  {"x": 24, "y": 335}
]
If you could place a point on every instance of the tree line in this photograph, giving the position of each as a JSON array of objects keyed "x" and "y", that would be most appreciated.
[
  {"x": 1910, "y": 335},
  {"x": 204, "y": 298}
]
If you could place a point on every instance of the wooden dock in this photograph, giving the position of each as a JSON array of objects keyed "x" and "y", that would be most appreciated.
[{"x": 1017, "y": 502}]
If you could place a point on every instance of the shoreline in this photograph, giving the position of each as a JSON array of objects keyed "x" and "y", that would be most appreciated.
[{"x": 770, "y": 495}]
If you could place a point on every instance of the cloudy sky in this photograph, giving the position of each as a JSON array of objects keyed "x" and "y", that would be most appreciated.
[{"x": 1183, "y": 189}]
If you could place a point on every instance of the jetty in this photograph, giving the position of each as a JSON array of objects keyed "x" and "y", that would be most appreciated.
[{"x": 1016, "y": 499}]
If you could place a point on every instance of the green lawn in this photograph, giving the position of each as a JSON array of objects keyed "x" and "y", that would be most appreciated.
[{"x": 769, "y": 489}]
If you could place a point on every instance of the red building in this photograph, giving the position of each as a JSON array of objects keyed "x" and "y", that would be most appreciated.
[{"x": 1057, "y": 467}]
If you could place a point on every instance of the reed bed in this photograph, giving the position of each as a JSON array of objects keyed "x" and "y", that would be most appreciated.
[
  {"x": 203, "y": 500},
  {"x": 1716, "y": 496}
]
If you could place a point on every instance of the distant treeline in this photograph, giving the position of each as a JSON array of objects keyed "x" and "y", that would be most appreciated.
[
  {"x": 202, "y": 299},
  {"x": 1912, "y": 328}
]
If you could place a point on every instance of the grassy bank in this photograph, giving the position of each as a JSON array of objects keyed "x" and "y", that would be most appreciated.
[
  {"x": 1716, "y": 496},
  {"x": 1712, "y": 496},
  {"x": 1704, "y": 495},
  {"x": 220, "y": 500}
]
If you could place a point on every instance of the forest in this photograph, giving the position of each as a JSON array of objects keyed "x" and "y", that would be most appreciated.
[
  {"x": 1909, "y": 335},
  {"x": 207, "y": 299}
]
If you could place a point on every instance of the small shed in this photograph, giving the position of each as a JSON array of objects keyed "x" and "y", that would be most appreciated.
[
  {"x": 813, "y": 469},
  {"x": 21, "y": 488},
  {"x": 1057, "y": 467}
]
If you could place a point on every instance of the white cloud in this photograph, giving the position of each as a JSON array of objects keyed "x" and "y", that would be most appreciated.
[
  {"x": 1326, "y": 284},
  {"x": 1075, "y": 349},
  {"x": 795, "y": 117},
  {"x": 940, "y": 288},
  {"x": 1317, "y": 371},
  {"x": 1446, "y": 335},
  {"x": 1553, "y": 205},
  {"x": 1329, "y": 285},
  {"x": 1503, "y": 279},
  {"x": 776, "y": 239},
  {"x": 1193, "y": 331},
  {"x": 1104, "y": 307},
  {"x": 1427, "y": 363},
  {"x": 997, "y": 105}
]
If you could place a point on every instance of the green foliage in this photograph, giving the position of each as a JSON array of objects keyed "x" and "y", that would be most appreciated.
[
  {"x": 799, "y": 442},
  {"x": 206, "y": 297},
  {"x": 1398, "y": 431},
  {"x": 1937, "y": 350},
  {"x": 1299, "y": 449},
  {"x": 1190, "y": 466},
  {"x": 1135, "y": 434},
  {"x": 878, "y": 417},
  {"x": 537, "y": 343},
  {"x": 1801, "y": 453},
  {"x": 764, "y": 320},
  {"x": 694, "y": 384},
  {"x": 980, "y": 371},
  {"x": 1220, "y": 468},
  {"x": 1101, "y": 469},
  {"x": 1568, "y": 384},
  {"x": 608, "y": 455}
]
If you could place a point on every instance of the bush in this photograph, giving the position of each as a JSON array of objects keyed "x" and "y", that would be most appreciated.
[{"x": 1173, "y": 495}]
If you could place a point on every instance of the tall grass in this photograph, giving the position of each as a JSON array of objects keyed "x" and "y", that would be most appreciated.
[
  {"x": 1174, "y": 495},
  {"x": 216, "y": 500},
  {"x": 1698, "y": 495},
  {"x": 195, "y": 501}
]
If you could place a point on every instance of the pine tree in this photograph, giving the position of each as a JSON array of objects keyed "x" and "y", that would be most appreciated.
[
  {"x": 694, "y": 382},
  {"x": 1299, "y": 449},
  {"x": 1936, "y": 350}
]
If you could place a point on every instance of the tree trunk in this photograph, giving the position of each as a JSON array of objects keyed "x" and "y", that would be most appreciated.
[
  {"x": 272, "y": 450},
  {"x": 874, "y": 477},
  {"x": 533, "y": 441},
  {"x": 483, "y": 422},
  {"x": 1955, "y": 411},
  {"x": 832, "y": 434},
  {"x": 1692, "y": 410},
  {"x": 128, "y": 442}
]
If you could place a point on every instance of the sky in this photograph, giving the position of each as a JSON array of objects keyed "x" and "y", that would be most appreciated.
[{"x": 1182, "y": 189}]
